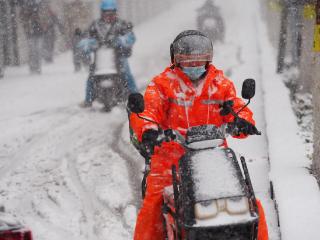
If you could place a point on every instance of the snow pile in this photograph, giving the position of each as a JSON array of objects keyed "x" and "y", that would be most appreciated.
[
  {"x": 302, "y": 107},
  {"x": 214, "y": 175}
]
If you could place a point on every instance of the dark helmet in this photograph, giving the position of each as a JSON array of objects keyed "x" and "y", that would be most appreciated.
[{"x": 191, "y": 45}]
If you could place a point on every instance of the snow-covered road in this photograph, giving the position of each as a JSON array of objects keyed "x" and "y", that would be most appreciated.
[{"x": 70, "y": 173}]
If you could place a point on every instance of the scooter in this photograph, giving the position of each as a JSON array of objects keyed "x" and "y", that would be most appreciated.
[
  {"x": 109, "y": 87},
  {"x": 212, "y": 196}
]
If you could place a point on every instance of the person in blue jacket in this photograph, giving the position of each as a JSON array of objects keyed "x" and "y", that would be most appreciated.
[{"x": 110, "y": 31}]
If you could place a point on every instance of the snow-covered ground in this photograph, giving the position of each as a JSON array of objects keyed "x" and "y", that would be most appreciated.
[{"x": 70, "y": 173}]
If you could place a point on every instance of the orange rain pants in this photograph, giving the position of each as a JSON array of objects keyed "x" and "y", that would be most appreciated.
[{"x": 149, "y": 225}]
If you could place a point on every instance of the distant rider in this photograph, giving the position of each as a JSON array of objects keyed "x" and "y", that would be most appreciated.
[
  {"x": 188, "y": 93},
  {"x": 210, "y": 21},
  {"x": 80, "y": 58},
  {"x": 31, "y": 22},
  {"x": 110, "y": 31}
]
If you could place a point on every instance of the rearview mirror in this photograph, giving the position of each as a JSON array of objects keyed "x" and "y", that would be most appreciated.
[
  {"x": 248, "y": 89},
  {"x": 135, "y": 103}
]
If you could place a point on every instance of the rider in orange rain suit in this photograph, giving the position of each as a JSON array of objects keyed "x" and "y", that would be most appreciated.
[{"x": 175, "y": 102}]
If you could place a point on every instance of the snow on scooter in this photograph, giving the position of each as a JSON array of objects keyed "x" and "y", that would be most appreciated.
[
  {"x": 109, "y": 87},
  {"x": 212, "y": 196}
]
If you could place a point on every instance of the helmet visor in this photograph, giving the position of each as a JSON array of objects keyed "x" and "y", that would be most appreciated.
[{"x": 192, "y": 48}]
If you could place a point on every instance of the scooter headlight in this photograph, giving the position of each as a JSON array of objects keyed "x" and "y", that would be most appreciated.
[
  {"x": 206, "y": 209},
  {"x": 211, "y": 208},
  {"x": 237, "y": 205}
]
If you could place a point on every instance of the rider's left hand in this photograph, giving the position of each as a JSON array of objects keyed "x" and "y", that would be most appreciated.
[
  {"x": 243, "y": 126},
  {"x": 126, "y": 40}
]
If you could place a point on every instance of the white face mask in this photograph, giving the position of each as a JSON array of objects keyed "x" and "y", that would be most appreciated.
[{"x": 194, "y": 73}]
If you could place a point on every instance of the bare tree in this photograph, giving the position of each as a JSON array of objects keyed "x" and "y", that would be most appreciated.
[
  {"x": 316, "y": 117},
  {"x": 14, "y": 35},
  {"x": 2, "y": 37}
]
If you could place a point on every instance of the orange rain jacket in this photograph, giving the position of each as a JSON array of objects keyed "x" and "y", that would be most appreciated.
[{"x": 174, "y": 102}]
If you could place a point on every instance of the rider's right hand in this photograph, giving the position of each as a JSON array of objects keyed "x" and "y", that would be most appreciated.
[{"x": 149, "y": 138}]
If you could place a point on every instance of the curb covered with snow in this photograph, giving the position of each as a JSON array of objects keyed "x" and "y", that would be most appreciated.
[{"x": 296, "y": 191}]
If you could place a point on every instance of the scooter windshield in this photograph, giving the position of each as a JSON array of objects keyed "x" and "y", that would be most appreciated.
[
  {"x": 204, "y": 132},
  {"x": 205, "y": 136}
]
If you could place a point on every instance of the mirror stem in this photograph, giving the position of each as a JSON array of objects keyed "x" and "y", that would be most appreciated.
[
  {"x": 243, "y": 107},
  {"x": 146, "y": 119}
]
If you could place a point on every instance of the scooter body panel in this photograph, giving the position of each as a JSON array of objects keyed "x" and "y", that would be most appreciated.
[
  {"x": 214, "y": 201},
  {"x": 109, "y": 87}
]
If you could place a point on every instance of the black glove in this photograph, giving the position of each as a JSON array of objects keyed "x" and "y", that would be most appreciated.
[
  {"x": 170, "y": 135},
  {"x": 226, "y": 107},
  {"x": 149, "y": 139},
  {"x": 243, "y": 126}
]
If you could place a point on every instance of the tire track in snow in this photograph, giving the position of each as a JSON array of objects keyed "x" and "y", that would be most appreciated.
[
  {"x": 73, "y": 129},
  {"x": 16, "y": 158},
  {"x": 91, "y": 202},
  {"x": 87, "y": 202},
  {"x": 68, "y": 126},
  {"x": 65, "y": 156},
  {"x": 42, "y": 113},
  {"x": 65, "y": 153},
  {"x": 133, "y": 168}
]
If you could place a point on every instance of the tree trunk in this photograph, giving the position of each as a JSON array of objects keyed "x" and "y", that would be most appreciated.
[
  {"x": 6, "y": 30},
  {"x": 282, "y": 39},
  {"x": 14, "y": 36}
]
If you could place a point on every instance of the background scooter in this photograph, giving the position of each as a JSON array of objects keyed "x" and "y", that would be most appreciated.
[{"x": 109, "y": 87}]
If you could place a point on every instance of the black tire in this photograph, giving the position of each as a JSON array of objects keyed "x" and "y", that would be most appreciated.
[
  {"x": 165, "y": 230},
  {"x": 271, "y": 190},
  {"x": 111, "y": 95},
  {"x": 106, "y": 108}
]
